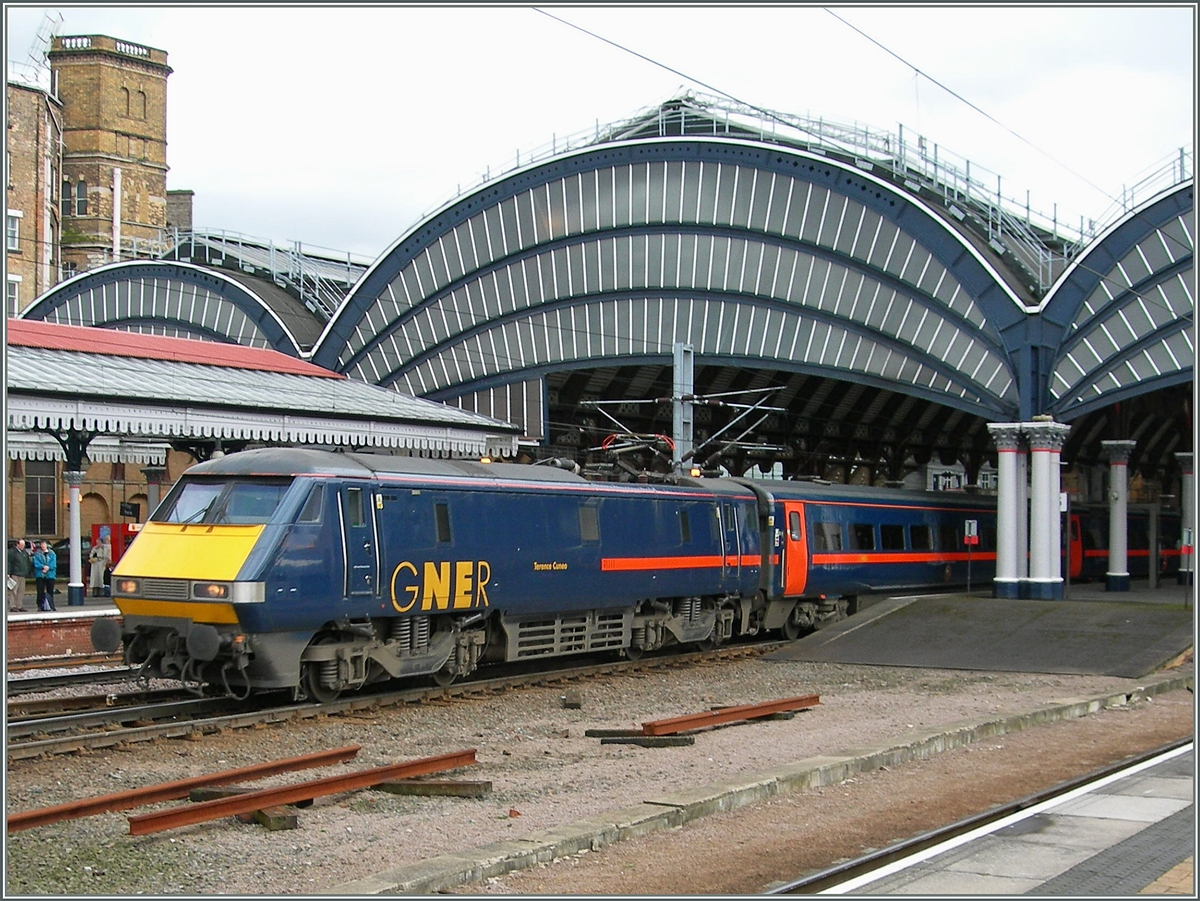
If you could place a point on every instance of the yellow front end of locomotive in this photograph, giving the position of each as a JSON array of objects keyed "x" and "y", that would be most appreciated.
[{"x": 184, "y": 571}]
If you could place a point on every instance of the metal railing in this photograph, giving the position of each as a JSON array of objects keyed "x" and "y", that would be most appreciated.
[
  {"x": 1041, "y": 243},
  {"x": 319, "y": 276}
]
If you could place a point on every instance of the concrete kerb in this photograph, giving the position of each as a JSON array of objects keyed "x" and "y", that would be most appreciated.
[{"x": 672, "y": 811}]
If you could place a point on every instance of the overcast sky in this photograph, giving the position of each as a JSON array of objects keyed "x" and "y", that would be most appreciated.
[{"x": 341, "y": 127}]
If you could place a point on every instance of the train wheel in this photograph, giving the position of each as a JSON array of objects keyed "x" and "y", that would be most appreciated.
[
  {"x": 791, "y": 629},
  {"x": 313, "y": 684},
  {"x": 443, "y": 678},
  {"x": 318, "y": 691},
  {"x": 634, "y": 653}
]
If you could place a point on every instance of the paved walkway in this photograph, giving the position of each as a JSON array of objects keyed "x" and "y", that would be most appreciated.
[{"x": 1129, "y": 835}]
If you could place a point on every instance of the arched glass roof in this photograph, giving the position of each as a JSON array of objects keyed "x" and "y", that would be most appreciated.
[
  {"x": 1126, "y": 309},
  {"x": 762, "y": 255}
]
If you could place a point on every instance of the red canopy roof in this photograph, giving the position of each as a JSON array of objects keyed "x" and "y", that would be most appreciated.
[{"x": 32, "y": 333}]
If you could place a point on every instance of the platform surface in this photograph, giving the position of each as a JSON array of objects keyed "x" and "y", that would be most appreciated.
[{"x": 1126, "y": 634}]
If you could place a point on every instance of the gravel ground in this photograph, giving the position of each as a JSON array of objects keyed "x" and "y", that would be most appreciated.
[{"x": 544, "y": 771}]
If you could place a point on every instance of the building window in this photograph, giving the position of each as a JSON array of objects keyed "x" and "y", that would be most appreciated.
[
  {"x": 69, "y": 268},
  {"x": 81, "y": 198},
  {"x": 41, "y": 498},
  {"x": 140, "y": 108},
  {"x": 65, "y": 200},
  {"x": 14, "y": 230},
  {"x": 14, "y": 295},
  {"x": 125, "y": 97}
]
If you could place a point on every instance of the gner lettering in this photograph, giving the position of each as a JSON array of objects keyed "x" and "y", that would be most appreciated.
[{"x": 457, "y": 585}]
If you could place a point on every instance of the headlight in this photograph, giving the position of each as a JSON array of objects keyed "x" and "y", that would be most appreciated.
[
  {"x": 210, "y": 591},
  {"x": 128, "y": 586}
]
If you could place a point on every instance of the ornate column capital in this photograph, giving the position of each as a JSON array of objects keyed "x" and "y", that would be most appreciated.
[
  {"x": 73, "y": 477},
  {"x": 1046, "y": 435},
  {"x": 1185, "y": 462},
  {"x": 1118, "y": 451},
  {"x": 1005, "y": 435},
  {"x": 154, "y": 474}
]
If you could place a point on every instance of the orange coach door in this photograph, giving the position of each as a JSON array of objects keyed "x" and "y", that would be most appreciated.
[{"x": 795, "y": 549}]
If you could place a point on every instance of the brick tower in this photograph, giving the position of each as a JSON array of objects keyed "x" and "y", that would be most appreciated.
[{"x": 114, "y": 162}]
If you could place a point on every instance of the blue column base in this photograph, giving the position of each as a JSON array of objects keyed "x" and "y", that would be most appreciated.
[
  {"x": 1042, "y": 591},
  {"x": 1183, "y": 577},
  {"x": 74, "y": 595},
  {"x": 1006, "y": 588},
  {"x": 1117, "y": 582}
]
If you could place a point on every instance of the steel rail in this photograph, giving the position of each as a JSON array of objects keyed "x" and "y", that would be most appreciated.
[
  {"x": 687, "y": 722},
  {"x": 814, "y": 883},
  {"x": 31, "y": 684},
  {"x": 109, "y": 715},
  {"x": 172, "y": 791},
  {"x": 25, "y": 750},
  {"x": 305, "y": 791}
]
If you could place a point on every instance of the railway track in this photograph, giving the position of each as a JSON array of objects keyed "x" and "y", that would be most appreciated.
[
  {"x": 38, "y": 736},
  {"x": 823, "y": 880}
]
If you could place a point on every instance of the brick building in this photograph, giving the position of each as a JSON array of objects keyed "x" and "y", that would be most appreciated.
[
  {"x": 114, "y": 158},
  {"x": 33, "y": 167},
  {"x": 87, "y": 181}
]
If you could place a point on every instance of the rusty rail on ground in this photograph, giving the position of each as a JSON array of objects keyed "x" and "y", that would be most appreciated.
[
  {"x": 171, "y": 791},
  {"x": 291, "y": 794},
  {"x": 690, "y": 721}
]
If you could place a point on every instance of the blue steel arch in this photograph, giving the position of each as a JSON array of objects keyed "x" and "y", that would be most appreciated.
[
  {"x": 418, "y": 280},
  {"x": 105, "y": 298},
  {"x": 1121, "y": 317}
]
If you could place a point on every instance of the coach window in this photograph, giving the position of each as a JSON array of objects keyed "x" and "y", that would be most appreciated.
[
  {"x": 794, "y": 525},
  {"x": 989, "y": 538},
  {"x": 312, "y": 506},
  {"x": 891, "y": 537},
  {"x": 589, "y": 524},
  {"x": 441, "y": 516},
  {"x": 862, "y": 537},
  {"x": 947, "y": 538},
  {"x": 921, "y": 538},
  {"x": 827, "y": 536}
]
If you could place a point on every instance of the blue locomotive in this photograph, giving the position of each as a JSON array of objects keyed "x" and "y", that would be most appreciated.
[{"x": 320, "y": 572}]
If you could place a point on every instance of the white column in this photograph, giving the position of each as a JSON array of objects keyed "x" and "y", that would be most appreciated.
[
  {"x": 1022, "y": 486},
  {"x": 74, "y": 548},
  {"x": 1187, "y": 516},
  {"x": 1046, "y": 439},
  {"x": 1118, "y": 513},
  {"x": 1007, "y": 438}
]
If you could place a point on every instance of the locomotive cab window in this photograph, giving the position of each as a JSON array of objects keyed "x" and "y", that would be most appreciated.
[
  {"x": 862, "y": 537},
  {"x": 240, "y": 502},
  {"x": 891, "y": 537},
  {"x": 313, "y": 505},
  {"x": 355, "y": 514}
]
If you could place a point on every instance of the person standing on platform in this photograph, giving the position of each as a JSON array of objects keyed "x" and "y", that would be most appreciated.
[
  {"x": 45, "y": 568},
  {"x": 99, "y": 558},
  {"x": 19, "y": 569}
]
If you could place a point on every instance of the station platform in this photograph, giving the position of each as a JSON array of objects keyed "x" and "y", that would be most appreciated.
[
  {"x": 1123, "y": 836},
  {"x": 1126, "y": 634}
]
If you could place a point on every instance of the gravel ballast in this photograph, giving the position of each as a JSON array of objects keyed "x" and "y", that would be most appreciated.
[{"x": 544, "y": 771}]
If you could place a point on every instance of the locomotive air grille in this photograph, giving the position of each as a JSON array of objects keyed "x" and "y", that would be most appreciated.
[
  {"x": 569, "y": 635},
  {"x": 167, "y": 589},
  {"x": 609, "y": 631}
]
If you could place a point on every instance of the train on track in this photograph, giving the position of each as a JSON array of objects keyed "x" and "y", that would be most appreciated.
[{"x": 321, "y": 572}]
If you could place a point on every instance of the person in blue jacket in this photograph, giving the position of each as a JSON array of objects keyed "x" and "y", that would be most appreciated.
[{"x": 45, "y": 567}]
